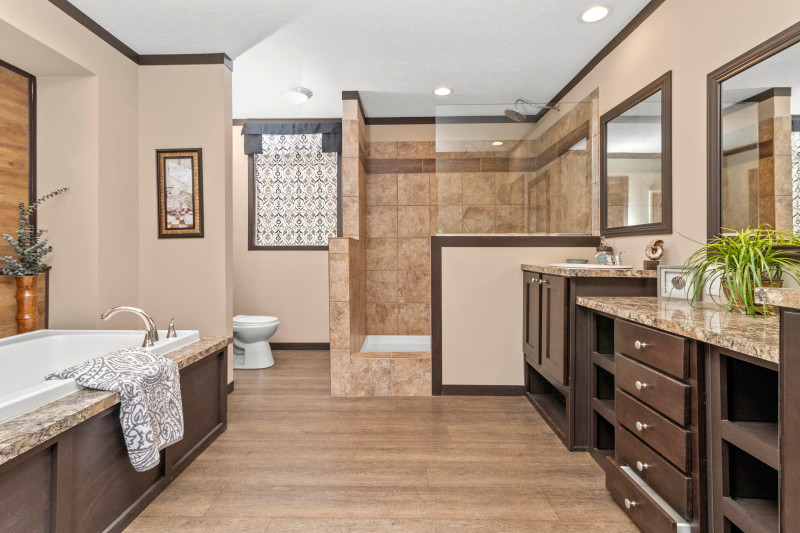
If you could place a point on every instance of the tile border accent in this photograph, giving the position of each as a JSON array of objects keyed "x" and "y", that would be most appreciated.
[{"x": 479, "y": 241}]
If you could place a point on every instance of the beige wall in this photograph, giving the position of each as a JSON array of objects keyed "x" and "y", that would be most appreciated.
[
  {"x": 482, "y": 311},
  {"x": 100, "y": 119},
  {"x": 690, "y": 38},
  {"x": 87, "y": 140},
  {"x": 190, "y": 279},
  {"x": 291, "y": 285}
]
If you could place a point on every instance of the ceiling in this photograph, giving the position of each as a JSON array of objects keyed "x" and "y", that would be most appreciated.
[{"x": 393, "y": 53}]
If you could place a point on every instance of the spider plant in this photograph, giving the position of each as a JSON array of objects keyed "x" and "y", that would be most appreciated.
[{"x": 740, "y": 262}]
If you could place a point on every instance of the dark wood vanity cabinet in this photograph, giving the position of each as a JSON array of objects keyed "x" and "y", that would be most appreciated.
[
  {"x": 554, "y": 366},
  {"x": 646, "y": 421}
]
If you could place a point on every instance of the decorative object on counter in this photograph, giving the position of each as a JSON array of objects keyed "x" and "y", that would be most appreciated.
[
  {"x": 31, "y": 247},
  {"x": 654, "y": 252},
  {"x": 741, "y": 262},
  {"x": 604, "y": 252},
  {"x": 149, "y": 386},
  {"x": 672, "y": 282},
  {"x": 180, "y": 193}
]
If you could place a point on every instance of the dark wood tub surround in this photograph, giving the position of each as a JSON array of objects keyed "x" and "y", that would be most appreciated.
[
  {"x": 556, "y": 379},
  {"x": 697, "y": 413},
  {"x": 64, "y": 467}
]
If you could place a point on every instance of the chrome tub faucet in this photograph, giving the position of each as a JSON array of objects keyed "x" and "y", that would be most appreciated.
[{"x": 151, "y": 334}]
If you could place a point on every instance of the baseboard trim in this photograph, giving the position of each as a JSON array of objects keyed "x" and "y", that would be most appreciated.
[
  {"x": 483, "y": 390},
  {"x": 230, "y": 387},
  {"x": 300, "y": 345}
]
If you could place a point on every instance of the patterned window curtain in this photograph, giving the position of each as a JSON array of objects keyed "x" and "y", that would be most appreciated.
[{"x": 295, "y": 191}]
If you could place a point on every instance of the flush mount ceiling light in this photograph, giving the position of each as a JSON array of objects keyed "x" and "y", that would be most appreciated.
[
  {"x": 297, "y": 95},
  {"x": 497, "y": 143},
  {"x": 595, "y": 14},
  {"x": 443, "y": 91}
]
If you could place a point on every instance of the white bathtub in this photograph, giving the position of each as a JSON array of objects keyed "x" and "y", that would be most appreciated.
[
  {"x": 397, "y": 343},
  {"x": 26, "y": 359}
]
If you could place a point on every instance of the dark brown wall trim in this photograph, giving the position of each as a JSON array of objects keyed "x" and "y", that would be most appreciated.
[
  {"x": 84, "y": 20},
  {"x": 768, "y": 48},
  {"x": 186, "y": 59},
  {"x": 398, "y": 121},
  {"x": 230, "y": 387},
  {"x": 479, "y": 241},
  {"x": 769, "y": 93},
  {"x": 395, "y": 121},
  {"x": 241, "y": 121},
  {"x": 483, "y": 390},
  {"x": 323, "y": 346},
  {"x": 156, "y": 59},
  {"x": 643, "y": 15},
  {"x": 353, "y": 95}
]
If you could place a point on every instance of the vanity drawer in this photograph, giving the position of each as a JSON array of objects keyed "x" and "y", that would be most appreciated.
[
  {"x": 663, "y": 478},
  {"x": 661, "y": 392},
  {"x": 636, "y": 502},
  {"x": 658, "y": 349},
  {"x": 664, "y": 436}
]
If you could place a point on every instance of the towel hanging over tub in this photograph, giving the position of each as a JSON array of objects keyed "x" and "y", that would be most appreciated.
[{"x": 151, "y": 412}]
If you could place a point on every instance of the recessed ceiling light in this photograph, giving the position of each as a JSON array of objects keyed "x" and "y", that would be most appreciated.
[
  {"x": 497, "y": 143},
  {"x": 595, "y": 14},
  {"x": 442, "y": 91},
  {"x": 297, "y": 95}
]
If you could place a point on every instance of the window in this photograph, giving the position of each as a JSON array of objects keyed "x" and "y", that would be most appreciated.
[{"x": 294, "y": 202}]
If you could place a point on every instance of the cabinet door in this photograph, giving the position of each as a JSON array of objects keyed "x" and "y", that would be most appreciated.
[
  {"x": 532, "y": 309},
  {"x": 554, "y": 327}
]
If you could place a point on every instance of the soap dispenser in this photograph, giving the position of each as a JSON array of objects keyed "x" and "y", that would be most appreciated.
[{"x": 604, "y": 253}]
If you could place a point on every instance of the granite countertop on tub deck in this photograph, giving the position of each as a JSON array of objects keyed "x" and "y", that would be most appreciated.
[
  {"x": 579, "y": 272},
  {"x": 756, "y": 336},
  {"x": 28, "y": 430},
  {"x": 778, "y": 297}
]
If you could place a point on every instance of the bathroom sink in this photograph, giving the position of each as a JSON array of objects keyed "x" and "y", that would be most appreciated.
[{"x": 592, "y": 266}]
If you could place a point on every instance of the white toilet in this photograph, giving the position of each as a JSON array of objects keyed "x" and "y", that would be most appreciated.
[{"x": 250, "y": 336}]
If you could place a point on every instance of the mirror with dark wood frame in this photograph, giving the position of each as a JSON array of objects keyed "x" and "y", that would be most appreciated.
[
  {"x": 636, "y": 163},
  {"x": 754, "y": 138}
]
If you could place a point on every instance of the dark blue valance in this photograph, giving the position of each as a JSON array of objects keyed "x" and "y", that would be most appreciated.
[{"x": 331, "y": 133}]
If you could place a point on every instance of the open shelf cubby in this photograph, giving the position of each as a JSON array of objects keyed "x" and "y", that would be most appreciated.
[
  {"x": 749, "y": 410},
  {"x": 548, "y": 400},
  {"x": 750, "y": 500},
  {"x": 604, "y": 434},
  {"x": 604, "y": 334}
]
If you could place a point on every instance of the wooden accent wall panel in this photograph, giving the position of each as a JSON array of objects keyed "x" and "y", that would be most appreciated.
[{"x": 15, "y": 148}]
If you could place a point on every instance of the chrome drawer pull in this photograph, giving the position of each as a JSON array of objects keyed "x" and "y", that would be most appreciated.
[
  {"x": 641, "y": 427},
  {"x": 641, "y": 467},
  {"x": 543, "y": 281},
  {"x": 639, "y": 345},
  {"x": 629, "y": 504},
  {"x": 639, "y": 385}
]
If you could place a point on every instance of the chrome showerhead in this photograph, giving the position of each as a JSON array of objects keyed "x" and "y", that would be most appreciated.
[{"x": 517, "y": 116}]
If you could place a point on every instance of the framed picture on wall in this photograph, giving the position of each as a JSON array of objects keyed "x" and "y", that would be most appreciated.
[
  {"x": 180, "y": 192},
  {"x": 672, "y": 282}
]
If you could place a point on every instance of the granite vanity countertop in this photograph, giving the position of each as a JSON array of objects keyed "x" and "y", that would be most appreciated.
[
  {"x": 754, "y": 336},
  {"x": 778, "y": 297},
  {"x": 579, "y": 272},
  {"x": 30, "y": 429}
]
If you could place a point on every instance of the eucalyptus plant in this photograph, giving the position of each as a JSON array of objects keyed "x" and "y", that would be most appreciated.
[
  {"x": 30, "y": 246},
  {"x": 741, "y": 262}
]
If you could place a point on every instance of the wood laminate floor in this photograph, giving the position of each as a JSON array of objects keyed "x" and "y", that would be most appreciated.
[{"x": 296, "y": 460}]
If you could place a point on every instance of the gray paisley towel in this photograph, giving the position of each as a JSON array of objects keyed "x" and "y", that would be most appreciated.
[{"x": 149, "y": 387}]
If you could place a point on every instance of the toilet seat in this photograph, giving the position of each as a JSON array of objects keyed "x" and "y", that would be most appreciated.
[{"x": 254, "y": 320}]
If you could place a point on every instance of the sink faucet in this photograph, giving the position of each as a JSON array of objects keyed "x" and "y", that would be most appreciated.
[
  {"x": 618, "y": 258},
  {"x": 151, "y": 336}
]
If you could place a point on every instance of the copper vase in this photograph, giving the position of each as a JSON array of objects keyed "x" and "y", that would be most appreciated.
[{"x": 27, "y": 313}]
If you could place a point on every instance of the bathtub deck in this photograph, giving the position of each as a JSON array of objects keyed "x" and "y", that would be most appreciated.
[{"x": 295, "y": 459}]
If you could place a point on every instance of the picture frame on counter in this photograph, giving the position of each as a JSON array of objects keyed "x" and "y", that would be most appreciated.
[
  {"x": 671, "y": 282},
  {"x": 179, "y": 174}
]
